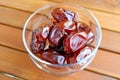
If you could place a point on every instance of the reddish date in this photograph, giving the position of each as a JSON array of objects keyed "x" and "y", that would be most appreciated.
[
  {"x": 68, "y": 26},
  {"x": 91, "y": 37},
  {"x": 53, "y": 57},
  {"x": 38, "y": 39},
  {"x": 56, "y": 34},
  {"x": 43, "y": 34},
  {"x": 60, "y": 14},
  {"x": 79, "y": 55},
  {"x": 37, "y": 47},
  {"x": 84, "y": 27},
  {"x": 74, "y": 42},
  {"x": 40, "y": 34}
]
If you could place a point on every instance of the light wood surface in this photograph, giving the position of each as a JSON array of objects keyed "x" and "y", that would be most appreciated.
[
  {"x": 99, "y": 5},
  {"x": 107, "y": 20},
  {"x": 15, "y": 60}
]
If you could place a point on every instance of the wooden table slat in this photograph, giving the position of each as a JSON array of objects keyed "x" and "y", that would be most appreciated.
[
  {"x": 26, "y": 5},
  {"x": 18, "y": 17},
  {"x": 110, "y": 41},
  {"x": 106, "y": 62},
  {"x": 19, "y": 63},
  {"x": 112, "y": 24},
  {"x": 102, "y": 5},
  {"x": 112, "y": 6},
  {"x": 11, "y": 37}
]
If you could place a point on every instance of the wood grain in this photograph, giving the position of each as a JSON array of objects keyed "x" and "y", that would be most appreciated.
[
  {"x": 26, "y": 5},
  {"x": 110, "y": 41},
  {"x": 108, "y": 21},
  {"x": 13, "y": 17},
  {"x": 106, "y": 62},
  {"x": 11, "y": 37},
  {"x": 6, "y": 77},
  {"x": 112, "y": 6},
  {"x": 20, "y": 64},
  {"x": 102, "y": 63}
]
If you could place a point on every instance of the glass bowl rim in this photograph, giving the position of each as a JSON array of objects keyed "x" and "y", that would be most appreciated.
[{"x": 64, "y": 65}]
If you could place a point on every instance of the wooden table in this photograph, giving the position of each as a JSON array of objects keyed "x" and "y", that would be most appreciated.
[{"x": 15, "y": 62}]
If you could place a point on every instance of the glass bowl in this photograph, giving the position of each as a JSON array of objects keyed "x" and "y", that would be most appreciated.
[{"x": 41, "y": 16}]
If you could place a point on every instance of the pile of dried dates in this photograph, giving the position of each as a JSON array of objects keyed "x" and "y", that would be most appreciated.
[{"x": 64, "y": 41}]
